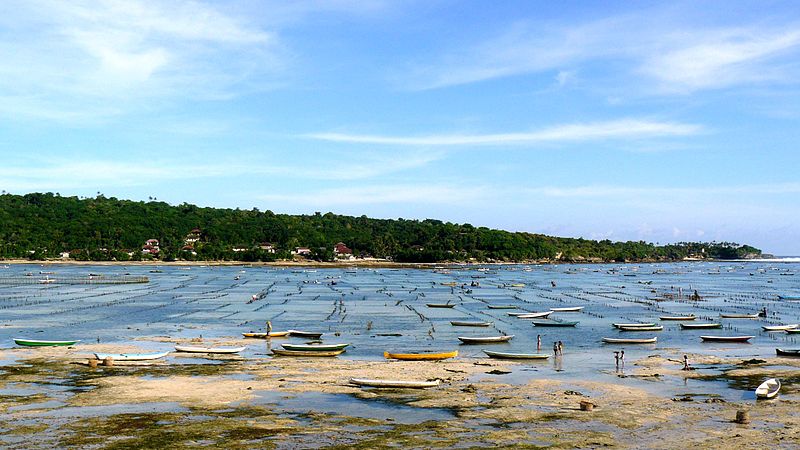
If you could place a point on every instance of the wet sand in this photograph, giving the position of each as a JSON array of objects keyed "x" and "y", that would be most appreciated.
[{"x": 233, "y": 402}]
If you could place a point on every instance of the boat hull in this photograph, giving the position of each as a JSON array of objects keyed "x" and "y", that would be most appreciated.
[
  {"x": 280, "y": 352},
  {"x": 131, "y": 356},
  {"x": 457, "y": 323},
  {"x": 43, "y": 343},
  {"x": 793, "y": 352},
  {"x": 700, "y": 326},
  {"x": 652, "y": 340},
  {"x": 264, "y": 335},
  {"x": 420, "y": 356},
  {"x": 506, "y": 355},
  {"x": 677, "y": 318},
  {"x": 726, "y": 338},
  {"x": 485, "y": 340},
  {"x": 314, "y": 347},
  {"x": 537, "y": 323}
]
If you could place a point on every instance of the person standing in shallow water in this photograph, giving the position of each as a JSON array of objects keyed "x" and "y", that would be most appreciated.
[
  {"x": 560, "y": 348},
  {"x": 622, "y": 358},
  {"x": 538, "y": 342},
  {"x": 555, "y": 348},
  {"x": 616, "y": 359}
]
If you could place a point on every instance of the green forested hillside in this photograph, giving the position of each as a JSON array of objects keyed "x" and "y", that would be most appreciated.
[{"x": 42, "y": 226}]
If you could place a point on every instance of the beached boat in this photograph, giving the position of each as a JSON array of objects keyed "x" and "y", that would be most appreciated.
[
  {"x": 726, "y": 338},
  {"x": 507, "y": 355},
  {"x": 460, "y": 323},
  {"x": 394, "y": 384},
  {"x": 42, "y": 343},
  {"x": 788, "y": 352},
  {"x": 501, "y": 306},
  {"x": 315, "y": 347},
  {"x": 651, "y": 340},
  {"x": 200, "y": 349},
  {"x": 518, "y": 285},
  {"x": 692, "y": 317},
  {"x": 632, "y": 325},
  {"x": 283, "y": 352},
  {"x": 780, "y": 327},
  {"x": 567, "y": 309},
  {"x": 653, "y": 328},
  {"x": 768, "y": 389},
  {"x": 305, "y": 334},
  {"x": 553, "y": 323},
  {"x": 484, "y": 339},
  {"x": 700, "y": 326},
  {"x": 131, "y": 356},
  {"x": 536, "y": 315},
  {"x": 265, "y": 335},
  {"x": 421, "y": 356},
  {"x": 739, "y": 316},
  {"x": 440, "y": 305}
]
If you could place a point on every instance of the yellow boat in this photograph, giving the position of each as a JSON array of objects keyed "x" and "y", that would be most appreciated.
[
  {"x": 421, "y": 356},
  {"x": 262, "y": 335},
  {"x": 451, "y": 284}
]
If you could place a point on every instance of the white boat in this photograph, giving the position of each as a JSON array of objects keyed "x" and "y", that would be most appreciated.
[
  {"x": 507, "y": 355},
  {"x": 633, "y": 325},
  {"x": 198, "y": 349},
  {"x": 768, "y": 389},
  {"x": 653, "y": 328},
  {"x": 780, "y": 327},
  {"x": 651, "y": 340},
  {"x": 536, "y": 315},
  {"x": 690, "y": 317},
  {"x": 567, "y": 309},
  {"x": 395, "y": 384},
  {"x": 739, "y": 316},
  {"x": 131, "y": 356},
  {"x": 484, "y": 339}
]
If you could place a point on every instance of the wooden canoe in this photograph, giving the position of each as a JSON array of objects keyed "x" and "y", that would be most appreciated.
[
  {"x": 553, "y": 323},
  {"x": 536, "y": 315},
  {"x": 726, "y": 338},
  {"x": 459, "y": 323},
  {"x": 281, "y": 352},
  {"x": 440, "y": 305},
  {"x": 314, "y": 347},
  {"x": 131, "y": 356},
  {"x": 692, "y": 317},
  {"x": 768, "y": 389},
  {"x": 788, "y": 352},
  {"x": 651, "y": 340},
  {"x": 420, "y": 356},
  {"x": 394, "y": 384},
  {"x": 739, "y": 316},
  {"x": 653, "y": 328},
  {"x": 42, "y": 343},
  {"x": 199, "y": 349},
  {"x": 506, "y": 355},
  {"x": 305, "y": 334},
  {"x": 700, "y": 326},
  {"x": 501, "y": 306},
  {"x": 632, "y": 325},
  {"x": 265, "y": 335},
  {"x": 485, "y": 339},
  {"x": 567, "y": 309},
  {"x": 780, "y": 327}
]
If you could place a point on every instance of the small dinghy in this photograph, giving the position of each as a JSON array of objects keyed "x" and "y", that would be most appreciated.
[
  {"x": 199, "y": 349},
  {"x": 131, "y": 356},
  {"x": 567, "y": 309},
  {"x": 691, "y": 317},
  {"x": 739, "y": 316},
  {"x": 265, "y": 335},
  {"x": 794, "y": 352},
  {"x": 632, "y": 325},
  {"x": 653, "y": 328},
  {"x": 314, "y": 347},
  {"x": 459, "y": 323},
  {"x": 553, "y": 323},
  {"x": 780, "y": 327},
  {"x": 421, "y": 356},
  {"x": 536, "y": 315},
  {"x": 651, "y": 340},
  {"x": 700, "y": 326},
  {"x": 768, "y": 389},
  {"x": 726, "y": 338},
  {"x": 440, "y": 305},
  {"x": 485, "y": 339},
  {"x": 42, "y": 343},
  {"x": 305, "y": 334},
  {"x": 394, "y": 384},
  {"x": 283, "y": 352},
  {"x": 507, "y": 355}
]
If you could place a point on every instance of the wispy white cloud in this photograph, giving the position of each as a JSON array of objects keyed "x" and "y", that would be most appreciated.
[{"x": 619, "y": 129}]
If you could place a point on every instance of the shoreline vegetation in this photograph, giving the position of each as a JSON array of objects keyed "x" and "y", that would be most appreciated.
[{"x": 49, "y": 227}]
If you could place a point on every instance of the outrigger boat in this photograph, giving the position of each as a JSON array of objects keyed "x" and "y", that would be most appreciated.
[
  {"x": 459, "y": 323},
  {"x": 739, "y": 316},
  {"x": 692, "y": 317},
  {"x": 265, "y": 335},
  {"x": 651, "y": 340},
  {"x": 394, "y": 384},
  {"x": 485, "y": 340},
  {"x": 507, "y": 355},
  {"x": 780, "y": 327},
  {"x": 283, "y": 352},
  {"x": 43, "y": 343},
  {"x": 440, "y": 305},
  {"x": 700, "y": 326},
  {"x": 653, "y": 328},
  {"x": 198, "y": 349},
  {"x": 726, "y": 338},
  {"x": 421, "y": 356},
  {"x": 131, "y": 356},
  {"x": 553, "y": 323},
  {"x": 314, "y": 347},
  {"x": 633, "y": 325},
  {"x": 567, "y": 309}
]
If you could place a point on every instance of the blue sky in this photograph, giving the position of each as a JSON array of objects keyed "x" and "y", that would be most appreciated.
[{"x": 662, "y": 122}]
